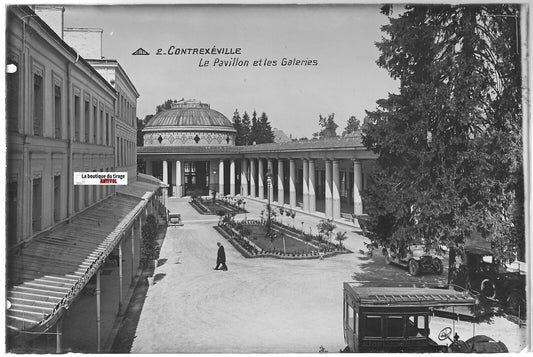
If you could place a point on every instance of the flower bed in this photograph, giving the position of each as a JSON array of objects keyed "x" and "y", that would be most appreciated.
[
  {"x": 251, "y": 239},
  {"x": 207, "y": 206}
]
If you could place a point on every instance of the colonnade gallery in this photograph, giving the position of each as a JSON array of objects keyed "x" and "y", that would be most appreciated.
[{"x": 191, "y": 147}]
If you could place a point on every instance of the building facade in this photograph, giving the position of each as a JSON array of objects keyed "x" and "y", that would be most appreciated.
[
  {"x": 88, "y": 43},
  {"x": 125, "y": 114},
  {"x": 60, "y": 119},
  {"x": 66, "y": 115}
]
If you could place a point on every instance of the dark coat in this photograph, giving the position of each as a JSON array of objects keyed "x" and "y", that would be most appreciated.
[{"x": 221, "y": 256}]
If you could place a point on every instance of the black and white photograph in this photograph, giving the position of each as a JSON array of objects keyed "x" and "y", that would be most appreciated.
[{"x": 308, "y": 177}]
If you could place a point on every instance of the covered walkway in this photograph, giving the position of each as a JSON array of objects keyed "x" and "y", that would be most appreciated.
[{"x": 48, "y": 275}]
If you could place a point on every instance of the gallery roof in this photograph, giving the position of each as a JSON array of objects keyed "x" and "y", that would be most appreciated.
[{"x": 48, "y": 273}]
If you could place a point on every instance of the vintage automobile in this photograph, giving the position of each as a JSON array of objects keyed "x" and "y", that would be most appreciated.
[
  {"x": 174, "y": 219},
  {"x": 497, "y": 281},
  {"x": 415, "y": 259},
  {"x": 397, "y": 319},
  {"x": 493, "y": 280},
  {"x": 476, "y": 344}
]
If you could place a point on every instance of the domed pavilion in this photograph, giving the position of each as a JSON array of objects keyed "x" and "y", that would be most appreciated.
[
  {"x": 189, "y": 125},
  {"x": 189, "y": 122}
]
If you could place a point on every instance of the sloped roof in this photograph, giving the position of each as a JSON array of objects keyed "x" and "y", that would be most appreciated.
[
  {"x": 48, "y": 273},
  {"x": 403, "y": 295}
]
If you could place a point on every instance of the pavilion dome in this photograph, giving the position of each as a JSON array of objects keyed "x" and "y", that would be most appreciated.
[
  {"x": 189, "y": 122},
  {"x": 189, "y": 113}
]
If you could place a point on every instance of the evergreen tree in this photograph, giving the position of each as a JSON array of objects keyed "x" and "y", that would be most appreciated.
[
  {"x": 237, "y": 124},
  {"x": 140, "y": 127},
  {"x": 254, "y": 129},
  {"x": 246, "y": 128},
  {"x": 328, "y": 125},
  {"x": 166, "y": 105},
  {"x": 265, "y": 134},
  {"x": 261, "y": 130},
  {"x": 352, "y": 126},
  {"x": 449, "y": 143}
]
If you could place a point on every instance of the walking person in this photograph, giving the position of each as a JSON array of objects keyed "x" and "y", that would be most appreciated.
[{"x": 221, "y": 258}]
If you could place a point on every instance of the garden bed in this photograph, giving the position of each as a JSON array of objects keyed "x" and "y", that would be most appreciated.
[
  {"x": 251, "y": 240},
  {"x": 207, "y": 206}
]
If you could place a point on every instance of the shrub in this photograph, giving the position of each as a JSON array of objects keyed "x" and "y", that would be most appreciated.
[{"x": 150, "y": 248}]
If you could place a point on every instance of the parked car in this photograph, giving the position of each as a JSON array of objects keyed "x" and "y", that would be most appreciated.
[
  {"x": 495, "y": 280},
  {"x": 396, "y": 318},
  {"x": 415, "y": 259}
]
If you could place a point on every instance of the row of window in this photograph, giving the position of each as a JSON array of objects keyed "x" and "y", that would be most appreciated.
[
  {"x": 97, "y": 124},
  {"x": 86, "y": 195},
  {"x": 36, "y": 205},
  {"x": 126, "y": 152},
  {"x": 92, "y": 121},
  {"x": 126, "y": 111}
]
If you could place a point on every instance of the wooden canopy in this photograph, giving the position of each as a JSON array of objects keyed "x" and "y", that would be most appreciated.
[{"x": 45, "y": 276}]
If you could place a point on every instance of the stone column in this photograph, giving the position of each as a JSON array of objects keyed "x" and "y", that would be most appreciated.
[
  {"x": 221, "y": 177},
  {"x": 357, "y": 186},
  {"x": 327, "y": 186},
  {"x": 120, "y": 292},
  {"x": 133, "y": 252},
  {"x": 98, "y": 313},
  {"x": 244, "y": 177},
  {"x": 292, "y": 183},
  {"x": 271, "y": 188},
  {"x": 260, "y": 179},
  {"x": 311, "y": 186},
  {"x": 281, "y": 191},
  {"x": 252, "y": 177},
  {"x": 336, "y": 198},
  {"x": 232, "y": 177},
  {"x": 178, "y": 192},
  {"x": 305, "y": 185},
  {"x": 165, "y": 172}
]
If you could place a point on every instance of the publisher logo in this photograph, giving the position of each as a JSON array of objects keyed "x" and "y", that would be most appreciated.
[
  {"x": 140, "y": 52},
  {"x": 100, "y": 178}
]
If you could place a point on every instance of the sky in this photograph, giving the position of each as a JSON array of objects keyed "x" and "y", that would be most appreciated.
[{"x": 340, "y": 38}]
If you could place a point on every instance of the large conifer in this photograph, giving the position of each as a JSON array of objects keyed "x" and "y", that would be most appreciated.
[{"x": 449, "y": 143}]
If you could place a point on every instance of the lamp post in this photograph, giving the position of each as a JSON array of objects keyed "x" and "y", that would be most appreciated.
[
  {"x": 268, "y": 177},
  {"x": 214, "y": 189}
]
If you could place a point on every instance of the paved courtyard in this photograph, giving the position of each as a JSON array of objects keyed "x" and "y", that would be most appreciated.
[{"x": 261, "y": 305}]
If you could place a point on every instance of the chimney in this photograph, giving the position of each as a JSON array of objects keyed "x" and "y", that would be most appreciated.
[
  {"x": 53, "y": 16},
  {"x": 86, "y": 41}
]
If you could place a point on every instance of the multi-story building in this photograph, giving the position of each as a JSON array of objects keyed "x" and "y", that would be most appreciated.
[
  {"x": 60, "y": 119},
  {"x": 88, "y": 42},
  {"x": 65, "y": 115}
]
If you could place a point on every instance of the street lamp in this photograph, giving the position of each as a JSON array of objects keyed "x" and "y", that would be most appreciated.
[
  {"x": 269, "y": 182},
  {"x": 214, "y": 184}
]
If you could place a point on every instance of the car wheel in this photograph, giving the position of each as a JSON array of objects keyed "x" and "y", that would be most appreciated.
[
  {"x": 438, "y": 268},
  {"x": 414, "y": 267},
  {"x": 488, "y": 289},
  {"x": 516, "y": 304}
]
